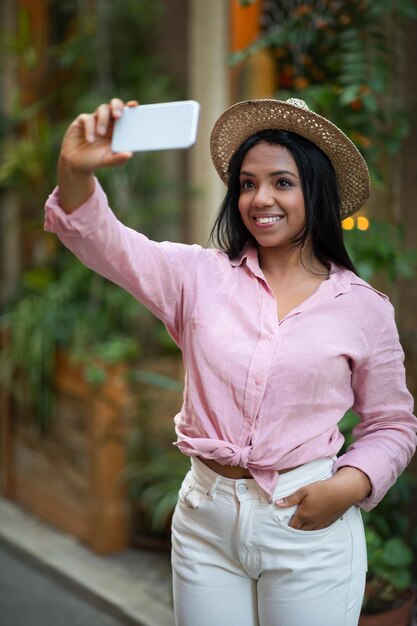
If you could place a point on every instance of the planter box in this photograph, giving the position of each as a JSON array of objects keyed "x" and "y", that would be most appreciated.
[
  {"x": 72, "y": 476},
  {"x": 398, "y": 616}
]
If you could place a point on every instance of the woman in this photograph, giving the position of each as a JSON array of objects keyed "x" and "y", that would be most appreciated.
[{"x": 280, "y": 338}]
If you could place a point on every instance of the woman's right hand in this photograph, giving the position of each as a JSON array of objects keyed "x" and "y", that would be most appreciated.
[
  {"x": 87, "y": 142},
  {"x": 86, "y": 147}
]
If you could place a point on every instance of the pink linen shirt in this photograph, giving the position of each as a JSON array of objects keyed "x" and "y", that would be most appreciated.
[{"x": 262, "y": 393}]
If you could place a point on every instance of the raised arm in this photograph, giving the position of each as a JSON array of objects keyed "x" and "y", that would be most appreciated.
[
  {"x": 77, "y": 211},
  {"x": 87, "y": 147}
]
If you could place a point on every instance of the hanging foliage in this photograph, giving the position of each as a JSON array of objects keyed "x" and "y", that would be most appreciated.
[{"x": 339, "y": 56}]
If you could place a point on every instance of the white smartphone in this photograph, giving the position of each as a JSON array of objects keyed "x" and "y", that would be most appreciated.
[{"x": 162, "y": 126}]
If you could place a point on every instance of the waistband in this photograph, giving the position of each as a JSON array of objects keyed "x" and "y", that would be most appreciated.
[{"x": 289, "y": 482}]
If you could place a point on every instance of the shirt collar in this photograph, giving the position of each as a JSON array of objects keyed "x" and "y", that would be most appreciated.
[
  {"x": 340, "y": 279},
  {"x": 247, "y": 251},
  {"x": 249, "y": 256}
]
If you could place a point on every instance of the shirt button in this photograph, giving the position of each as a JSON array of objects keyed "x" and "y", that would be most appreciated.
[
  {"x": 258, "y": 380},
  {"x": 241, "y": 488},
  {"x": 271, "y": 337}
]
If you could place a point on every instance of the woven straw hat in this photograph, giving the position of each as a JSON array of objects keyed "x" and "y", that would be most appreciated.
[{"x": 244, "y": 119}]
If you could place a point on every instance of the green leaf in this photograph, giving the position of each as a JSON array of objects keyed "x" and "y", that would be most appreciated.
[
  {"x": 349, "y": 421},
  {"x": 158, "y": 380},
  {"x": 396, "y": 554},
  {"x": 349, "y": 94},
  {"x": 237, "y": 57},
  {"x": 407, "y": 8},
  {"x": 95, "y": 375},
  {"x": 370, "y": 102},
  {"x": 400, "y": 579}
]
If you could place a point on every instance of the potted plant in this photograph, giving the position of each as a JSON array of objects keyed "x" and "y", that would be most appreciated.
[
  {"x": 75, "y": 314},
  {"x": 64, "y": 399},
  {"x": 391, "y": 546},
  {"x": 155, "y": 469},
  {"x": 389, "y": 596}
]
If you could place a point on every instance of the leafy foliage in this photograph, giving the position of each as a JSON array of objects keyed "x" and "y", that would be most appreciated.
[
  {"x": 100, "y": 49},
  {"x": 390, "y": 562},
  {"x": 155, "y": 469},
  {"x": 391, "y": 542},
  {"x": 391, "y": 548},
  {"x": 381, "y": 251},
  {"x": 61, "y": 308},
  {"x": 338, "y": 56},
  {"x": 346, "y": 426}
]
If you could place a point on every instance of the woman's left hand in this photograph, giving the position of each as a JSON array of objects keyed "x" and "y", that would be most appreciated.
[{"x": 322, "y": 503}]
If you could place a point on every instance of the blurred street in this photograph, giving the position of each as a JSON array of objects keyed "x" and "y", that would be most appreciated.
[
  {"x": 49, "y": 577},
  {"x": 30, "y": 598}
]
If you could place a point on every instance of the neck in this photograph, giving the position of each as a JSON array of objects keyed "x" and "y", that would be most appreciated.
[{"x": 288, "y": 263}]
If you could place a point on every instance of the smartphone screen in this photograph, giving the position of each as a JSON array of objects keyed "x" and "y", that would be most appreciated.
[{"x": 162, "y": 126}]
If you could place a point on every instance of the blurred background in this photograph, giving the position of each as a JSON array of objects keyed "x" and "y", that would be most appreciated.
[{"x": 89, "y": 380}]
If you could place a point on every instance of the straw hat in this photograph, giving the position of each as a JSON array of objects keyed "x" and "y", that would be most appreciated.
[{"x": 244, "y": 119}]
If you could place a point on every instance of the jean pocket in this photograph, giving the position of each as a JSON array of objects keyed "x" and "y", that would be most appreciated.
[
  {"x": 284, "y": 516},
  {"x": 191, "y": 493}
]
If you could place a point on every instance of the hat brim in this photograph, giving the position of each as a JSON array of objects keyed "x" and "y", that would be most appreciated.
[{"x": 244, "y": 119}]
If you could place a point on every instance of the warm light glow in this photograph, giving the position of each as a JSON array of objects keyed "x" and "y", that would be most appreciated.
[
  {"x": 362, "y": 223},
  {"x": 348, "y": 223}
]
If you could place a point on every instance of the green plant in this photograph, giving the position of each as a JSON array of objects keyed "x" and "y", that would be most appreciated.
[
  {"x": 390, "y": 566},
  {"x": 346, "y": 426},
  {"x": 154, "y": 482},
  {"x": 78, "y": 79},
  {"x": 155, "y": 469},
  {"x": 60, "y": 304},
  {"x": 338, "y": 56},
  {"x": 390, "y": 540},
  {"x": 65, "y": 307},
  {"x": 381, "y": 251},
  {"x": 391, "y": 548}
]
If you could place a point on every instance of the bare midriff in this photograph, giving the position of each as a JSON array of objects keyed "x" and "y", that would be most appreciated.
[{"x": 232, "y": 471}]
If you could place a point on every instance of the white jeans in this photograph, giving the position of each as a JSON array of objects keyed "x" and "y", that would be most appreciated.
[{"x": 236, "y": 562}]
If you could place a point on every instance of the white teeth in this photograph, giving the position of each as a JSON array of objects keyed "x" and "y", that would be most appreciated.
[{"x": 268, "y": 220}]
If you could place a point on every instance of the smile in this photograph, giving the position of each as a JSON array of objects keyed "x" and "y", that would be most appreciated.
[{"x": 268, "y": 220}]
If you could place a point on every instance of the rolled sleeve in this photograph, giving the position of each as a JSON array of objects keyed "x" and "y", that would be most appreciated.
[
  {"x": 153, "y": 272},
  {"x": 81, "y": 222},
  {"x": 385, "y": 438}
]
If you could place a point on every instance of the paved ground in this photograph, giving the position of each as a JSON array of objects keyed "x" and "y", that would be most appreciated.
[
  {"x": 30, "y": 598},
  {"x": 132, "y": 586}
]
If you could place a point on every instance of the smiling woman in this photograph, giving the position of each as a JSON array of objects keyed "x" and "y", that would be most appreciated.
[
  {"x": 280, "y": 337},
  {"x": 271, "y": 202},
  {"x": 298, "y": 173},
  {"x": 273, "y": 211}
]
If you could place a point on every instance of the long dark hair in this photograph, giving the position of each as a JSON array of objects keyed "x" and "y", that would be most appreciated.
[{"x": 321, "y": 198}]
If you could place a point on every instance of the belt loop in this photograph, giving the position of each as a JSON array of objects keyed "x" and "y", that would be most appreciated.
[
  {"x": 264, "y": 498},
  {"x": 212, "y": 491}
]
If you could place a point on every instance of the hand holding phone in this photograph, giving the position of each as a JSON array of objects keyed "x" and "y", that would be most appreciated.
[{"x": 162, "y": 126}]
